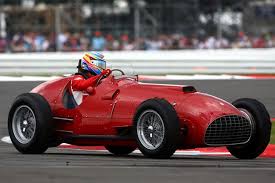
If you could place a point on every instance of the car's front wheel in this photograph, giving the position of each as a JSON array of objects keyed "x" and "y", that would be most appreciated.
[
  {"x": 30, "y": 123},
  {"x": 157, "y": 128},
  {"x": 259, "y": 118}
]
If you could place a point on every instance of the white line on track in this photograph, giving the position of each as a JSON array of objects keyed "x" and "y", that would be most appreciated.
[
  {"x": 198, "y": 77},
  {"x": 27, "y": 78},
  {"x": 167, "y": 77},
  {"x": 7, "y": 140}
]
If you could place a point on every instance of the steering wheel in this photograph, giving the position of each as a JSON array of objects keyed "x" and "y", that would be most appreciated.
[
  {"x": 99, "y": 80},
  {"x": 102, "y": 77}
]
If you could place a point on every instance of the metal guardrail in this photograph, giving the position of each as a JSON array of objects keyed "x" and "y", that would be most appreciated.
[{"x": 244, "y": 61}]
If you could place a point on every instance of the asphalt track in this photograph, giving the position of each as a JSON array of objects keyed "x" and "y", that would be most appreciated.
[{"x": 59, "y": 165}]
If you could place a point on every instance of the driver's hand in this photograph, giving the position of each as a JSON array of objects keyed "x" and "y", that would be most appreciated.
[
  {"x": 106, "y": 72},
  {"x": 90, "y": 90}
]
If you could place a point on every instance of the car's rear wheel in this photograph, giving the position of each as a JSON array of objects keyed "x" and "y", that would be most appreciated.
[
  {"x": 30, "y": 123},
  {"x": 120, "y": 150},
  {"x": 157, "y": 128},
  {"x": 257, "y": 114}
]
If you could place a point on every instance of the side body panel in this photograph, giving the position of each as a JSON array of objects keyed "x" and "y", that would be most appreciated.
[
  {"x": 53, "y": 92},
  {"x": 96, "y": 109}
]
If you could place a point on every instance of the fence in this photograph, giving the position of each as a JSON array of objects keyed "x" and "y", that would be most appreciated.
[{"x": 239, "y": 61}]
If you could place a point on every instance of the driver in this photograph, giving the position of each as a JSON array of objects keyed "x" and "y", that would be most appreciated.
[{"x": 90, "y": 69}]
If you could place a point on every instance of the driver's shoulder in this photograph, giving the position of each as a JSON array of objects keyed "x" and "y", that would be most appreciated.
[{"x": 78, "y": 77}]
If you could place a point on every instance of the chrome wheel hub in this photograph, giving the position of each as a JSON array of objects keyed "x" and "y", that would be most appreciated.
[
  {"x": 24, "y": 124},
  {"x": 150, "y": 129}
]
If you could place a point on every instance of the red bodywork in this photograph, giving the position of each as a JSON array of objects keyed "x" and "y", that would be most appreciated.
[{"x": 111, "y": 108}]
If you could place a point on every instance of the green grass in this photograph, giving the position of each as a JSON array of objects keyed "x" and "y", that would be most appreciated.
[{"x": 272, "y": 138}]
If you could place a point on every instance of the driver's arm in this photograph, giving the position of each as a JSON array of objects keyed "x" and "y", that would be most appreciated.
[{"x": 81, "y": 84}]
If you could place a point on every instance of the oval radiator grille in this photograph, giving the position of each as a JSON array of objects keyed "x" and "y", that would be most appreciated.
[{"x": 228, "y": 130}]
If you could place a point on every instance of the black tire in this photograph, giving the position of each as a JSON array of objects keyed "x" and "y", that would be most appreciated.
[
  {"x": 120, "y": 150},
  {"x": 261, "y": 133},
  {"x": 171, "y": 123},
  {"x": 44, "y": 129}
]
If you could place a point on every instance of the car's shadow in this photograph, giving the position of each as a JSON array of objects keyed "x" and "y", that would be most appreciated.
[{"x": 132, "y": 156}]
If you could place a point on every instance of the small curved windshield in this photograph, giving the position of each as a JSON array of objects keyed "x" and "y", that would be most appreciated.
[{"x": 127, "y": 68}]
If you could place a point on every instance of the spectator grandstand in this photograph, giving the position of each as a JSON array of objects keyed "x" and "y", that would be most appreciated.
[
  {"x": 78, "y": 41},
  {"x": 46, "y": 25}
]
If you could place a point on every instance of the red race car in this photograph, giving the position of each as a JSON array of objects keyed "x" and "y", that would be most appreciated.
[{"x": 123, "y": 114}]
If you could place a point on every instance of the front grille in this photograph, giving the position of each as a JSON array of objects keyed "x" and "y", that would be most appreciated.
[{"x": 228, "y": 130}]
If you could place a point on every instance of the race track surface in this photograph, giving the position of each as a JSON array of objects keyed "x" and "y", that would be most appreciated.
[
  {"x": 73, "y": 166},
  {"x": 60, "y": 165}
]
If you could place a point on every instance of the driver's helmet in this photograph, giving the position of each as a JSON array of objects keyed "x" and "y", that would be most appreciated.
[{"x": 93, "y": 62}]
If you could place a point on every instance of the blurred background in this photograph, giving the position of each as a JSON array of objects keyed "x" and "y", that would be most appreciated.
[
  {"x": 79, "y": 25},
  {"x": 183, "y": 37}
]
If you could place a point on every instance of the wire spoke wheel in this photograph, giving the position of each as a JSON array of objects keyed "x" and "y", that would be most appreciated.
[
  {"x": 157, "y": 128},
  {"x": 24, "y": 124},
  {"x": 150, "y": 129},
  {"x": 30, "y": 123}
]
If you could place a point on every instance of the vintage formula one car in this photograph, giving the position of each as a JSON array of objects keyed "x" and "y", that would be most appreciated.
[{"x": 123, "y": 114}]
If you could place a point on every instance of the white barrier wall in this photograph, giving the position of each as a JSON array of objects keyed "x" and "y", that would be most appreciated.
[{"x": 231, "y": 61}]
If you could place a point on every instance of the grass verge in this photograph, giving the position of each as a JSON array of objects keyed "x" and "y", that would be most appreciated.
[{"x": 272, "y": 138}]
